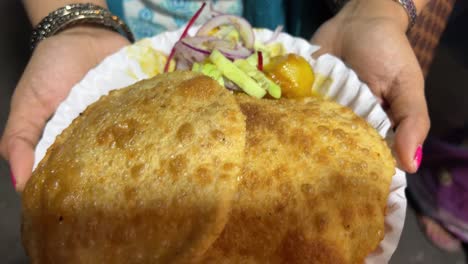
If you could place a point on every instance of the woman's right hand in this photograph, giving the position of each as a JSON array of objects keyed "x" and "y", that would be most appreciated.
[{"x": 57, "y": 64}]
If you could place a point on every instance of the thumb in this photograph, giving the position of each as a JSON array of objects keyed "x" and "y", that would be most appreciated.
[
  {"x": 21, "y": 159},
  {"x": 326, "y": 38},
  {"x": 24, "y": 127},
  {"x": 408, "y": 111}
]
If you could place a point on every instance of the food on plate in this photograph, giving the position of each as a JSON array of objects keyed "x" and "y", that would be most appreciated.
[
  {"x": 151, "y": 61},
  {"x": 293, "y": 74},
  {"x": 314, "y": 186},
  {"x": 147, "y": 174},
  {"x": 178, "y": 169},
  {"x": 225, "y": 49}
]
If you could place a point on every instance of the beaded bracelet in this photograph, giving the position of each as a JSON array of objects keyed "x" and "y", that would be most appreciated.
[{"x": 78, "y": 14}]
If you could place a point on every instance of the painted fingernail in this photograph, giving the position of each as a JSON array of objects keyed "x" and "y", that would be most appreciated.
[
  {"x": 418, "y": 157},
  {"x": 13, "y": 179}
]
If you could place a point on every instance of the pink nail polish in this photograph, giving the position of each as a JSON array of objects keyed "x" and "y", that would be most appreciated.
[
  {"x": 13, "y": 179},
  {"x": 418, "y": 157}
]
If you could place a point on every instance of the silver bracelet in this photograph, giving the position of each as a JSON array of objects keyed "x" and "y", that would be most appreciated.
[{"x": 78, "y": 14}]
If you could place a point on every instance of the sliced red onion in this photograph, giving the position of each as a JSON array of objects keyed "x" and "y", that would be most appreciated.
[
  {"x": 221, "y": 43},
  {"x": 230, "y": 50},
  {"x": 195, "y": 48},
  {"x": 233, "y": 54},
  {"x": 224, "y": 31},
  {"x": 199, "y": 41},
  {"x": 208, "y": 44},
  {"x": 192, "y": 53},
  {"x": 275, "y": 35},
  {"x": 183, "y": 64},
  {"x": 244, "y": 28},
  {"x": 184, "y": 34},
  {"x": 259, "y": 60},
  {"x": 186, "y": 55}
]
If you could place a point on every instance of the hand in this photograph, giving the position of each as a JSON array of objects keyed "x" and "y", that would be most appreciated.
[
  {"x": 371, "y": 39},
  {"x": 56, "y": 65}
]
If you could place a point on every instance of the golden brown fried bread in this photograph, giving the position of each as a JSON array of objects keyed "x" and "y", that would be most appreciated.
[
  {"x": 145, "y": 175},
  {"x": 313, "y": 190},
  {"x": 178, "y": 170}
]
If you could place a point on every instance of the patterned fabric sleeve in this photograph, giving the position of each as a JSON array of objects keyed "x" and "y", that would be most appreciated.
[{"x": 426, "y": 33}]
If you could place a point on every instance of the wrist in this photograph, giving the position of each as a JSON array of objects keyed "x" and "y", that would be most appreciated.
[
  {"x": 85, "y": 40},
  {"x": 87, "y": 35},
  {"x": 88, "y": 30},
  {"x": 388, "y": 11},
  {"x": 94, "y": 34},
  {"x": 37, "y": 10}
]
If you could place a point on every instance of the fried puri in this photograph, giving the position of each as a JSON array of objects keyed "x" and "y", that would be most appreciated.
[
  {"x": 145, "y": 175},
  {"x": 314, "y": 186},
  {"x": 177, "y": 169}
]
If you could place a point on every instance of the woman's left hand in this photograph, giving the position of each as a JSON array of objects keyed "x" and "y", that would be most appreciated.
[{"x": 370, "y": 37}]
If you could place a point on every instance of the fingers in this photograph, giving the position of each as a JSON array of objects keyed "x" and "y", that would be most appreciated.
[
  {"x": 408, "y": 110},
  {"x": 410, "y": 135},
  {"x": 320, "y": 52},
  {"x": 21, "y": 159},
  {"x": 24, "y": 127},
  {"x": 320, "y": 39},
  {"x": 324, "y": 37}
]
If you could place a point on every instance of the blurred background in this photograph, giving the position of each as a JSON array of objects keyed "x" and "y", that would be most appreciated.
[{"x": 447, "y": 79}]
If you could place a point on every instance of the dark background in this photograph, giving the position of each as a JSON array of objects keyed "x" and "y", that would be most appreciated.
[{"x": 446, "y": 88}]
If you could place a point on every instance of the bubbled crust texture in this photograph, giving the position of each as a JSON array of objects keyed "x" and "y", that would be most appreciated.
[
  {"x": 146, "y": 175},
  {"x": 313, "y": 180},
  {"x": 314, "y": 186}
]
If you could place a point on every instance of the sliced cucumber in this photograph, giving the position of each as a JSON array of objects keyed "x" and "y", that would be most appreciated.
[
  {"x": 209, "y": 70},
  {"x": 253, "y": 59},
  {"x": 196, "y": 67},
  {"x": 273, "y": 89},
  {"x": 236, "y": 75}
]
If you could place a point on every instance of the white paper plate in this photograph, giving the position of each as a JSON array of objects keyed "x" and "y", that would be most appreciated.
[{"x": 333, "y": 79}]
